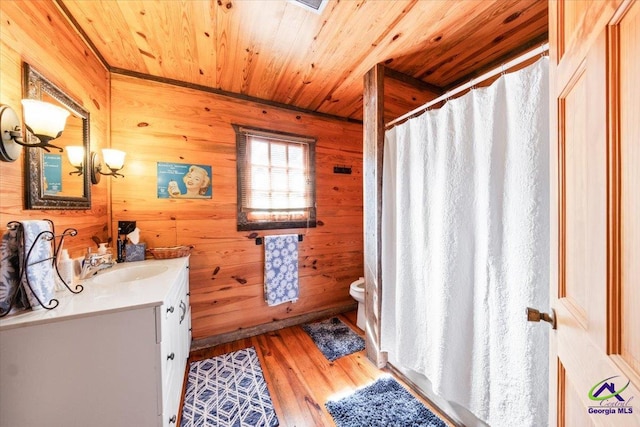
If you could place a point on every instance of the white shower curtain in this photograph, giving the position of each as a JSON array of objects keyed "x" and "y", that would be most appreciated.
[{"x": 465, "y": 248}]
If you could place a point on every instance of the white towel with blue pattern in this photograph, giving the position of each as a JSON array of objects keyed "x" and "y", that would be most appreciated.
[
  {"x": 281, "y": 269},
  {"x": 39, "y": 272}
]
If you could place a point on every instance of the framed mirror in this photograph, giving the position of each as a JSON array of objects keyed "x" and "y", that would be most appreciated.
[{"x": 51, "y": 182}]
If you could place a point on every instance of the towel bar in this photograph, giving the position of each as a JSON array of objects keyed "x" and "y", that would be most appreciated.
[{"x": 259, "y": 240}]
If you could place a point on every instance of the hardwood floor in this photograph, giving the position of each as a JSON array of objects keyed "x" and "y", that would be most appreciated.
[{"x": 299, "y": 377}]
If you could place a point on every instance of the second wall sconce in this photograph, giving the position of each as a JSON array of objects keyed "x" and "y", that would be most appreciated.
[
  {"x": 44, "y": 120},
  {"x": 113, "y": 159}
]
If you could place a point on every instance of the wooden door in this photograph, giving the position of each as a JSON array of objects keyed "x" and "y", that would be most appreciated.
[{"x": 595, "y": 213}]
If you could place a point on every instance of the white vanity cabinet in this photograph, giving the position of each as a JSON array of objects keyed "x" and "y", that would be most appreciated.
[{"x": 113, "y": 355}]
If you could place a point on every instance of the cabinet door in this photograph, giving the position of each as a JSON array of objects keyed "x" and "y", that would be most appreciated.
[
  {"x": 170, "y": 356},
  {"x": 176, "y": 316},
  {"x": 96, "y": 371}
]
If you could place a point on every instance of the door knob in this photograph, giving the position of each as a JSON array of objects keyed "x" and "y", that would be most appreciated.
[{"x": 534, "y": 315}]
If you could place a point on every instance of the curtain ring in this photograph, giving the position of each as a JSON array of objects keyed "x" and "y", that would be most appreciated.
[{"x": 544, "y": 52}]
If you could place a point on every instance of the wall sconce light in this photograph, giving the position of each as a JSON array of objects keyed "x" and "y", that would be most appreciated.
[
  {"x": 113, "y": 159},
  {"x": 75, "y": 153},
  {"x": 44, "y": 120}
]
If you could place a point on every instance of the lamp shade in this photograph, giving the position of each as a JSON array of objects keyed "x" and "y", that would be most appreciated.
[
  {"x": 44, "y": 119},
  {"x": 114, "y": 159},
  {"x": 75, "y": 153}
]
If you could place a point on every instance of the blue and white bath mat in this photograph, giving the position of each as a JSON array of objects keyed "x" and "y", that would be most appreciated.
[
  {"x": 334, "y": 338},
  {"x": 228, "y": 390},
  {"x": 382, "y": 404}
]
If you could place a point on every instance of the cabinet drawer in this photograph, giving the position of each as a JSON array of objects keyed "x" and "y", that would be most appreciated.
[
  {"x": 172, "y": 402},
  {"x": 171, "y": 305},
  {"x": 171, "y": 351}
]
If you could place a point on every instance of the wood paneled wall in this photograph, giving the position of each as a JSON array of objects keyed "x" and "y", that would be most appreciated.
[
  {"x": 37, "y": 33},
  {"x": 157, "y": 122}
]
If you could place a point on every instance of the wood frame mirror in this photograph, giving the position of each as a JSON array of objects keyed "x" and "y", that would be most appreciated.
[{"x": 72, "y": 189}]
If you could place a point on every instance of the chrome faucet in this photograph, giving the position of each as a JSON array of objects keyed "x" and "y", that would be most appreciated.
[{"x": 95, "y": 262}]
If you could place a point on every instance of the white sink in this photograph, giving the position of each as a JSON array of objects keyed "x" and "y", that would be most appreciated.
[{"x": 130, "y": 273}]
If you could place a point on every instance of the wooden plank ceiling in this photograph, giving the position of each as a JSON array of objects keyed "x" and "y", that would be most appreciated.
[{"x": 278, "y": 51}]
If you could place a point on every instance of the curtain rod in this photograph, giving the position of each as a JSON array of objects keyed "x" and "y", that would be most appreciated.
[{"x": 471, "y": 83}]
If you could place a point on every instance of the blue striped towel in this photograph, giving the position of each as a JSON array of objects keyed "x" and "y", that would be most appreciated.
[{"x": 281, "y": 269}]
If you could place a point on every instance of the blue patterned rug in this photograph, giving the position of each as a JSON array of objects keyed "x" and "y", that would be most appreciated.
[
  {"x": 382, "y": 404},
  {"x": 228, "y": 390},
  {"x": 334, "y": 338}
]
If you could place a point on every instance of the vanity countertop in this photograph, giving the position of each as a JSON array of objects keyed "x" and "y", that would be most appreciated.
[{"x": 97, "y": 298}]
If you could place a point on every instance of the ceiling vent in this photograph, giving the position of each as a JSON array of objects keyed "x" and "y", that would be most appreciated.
[{"x": 315, "y": 6}]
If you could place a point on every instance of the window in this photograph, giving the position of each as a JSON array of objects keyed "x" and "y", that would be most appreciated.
[{"x": 276, "y": 180}]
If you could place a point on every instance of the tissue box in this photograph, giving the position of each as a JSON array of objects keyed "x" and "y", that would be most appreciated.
[{"x": 135, "y": 252}]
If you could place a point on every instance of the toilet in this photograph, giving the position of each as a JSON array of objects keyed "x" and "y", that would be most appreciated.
[{"x": 356, "y": 290}]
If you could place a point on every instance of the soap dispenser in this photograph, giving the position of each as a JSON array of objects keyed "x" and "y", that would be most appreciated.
[{"x": 66, "y": 268}]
